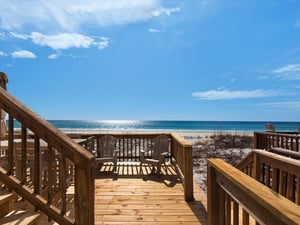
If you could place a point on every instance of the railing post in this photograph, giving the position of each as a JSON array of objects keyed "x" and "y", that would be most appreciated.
[
  {"x": 188, "y": 173},
  {"x": 256, "y": 166},
  {"x": 85, "y": 191},
  {"x": 255, "y": 140},
  {"x": 214, "y": 206}
]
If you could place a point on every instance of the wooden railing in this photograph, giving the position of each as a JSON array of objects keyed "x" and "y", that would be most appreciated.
[
  {"x": 235, "y": 198},
  {"x": 36, "y": 162},
  {"x": 268, "y": 140},
  {"x": 277, "y": 172},
  {"x": 130, "y": 146}
]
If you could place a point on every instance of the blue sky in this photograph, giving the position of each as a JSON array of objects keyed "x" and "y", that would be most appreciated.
[{"x": 152, "y": 59}]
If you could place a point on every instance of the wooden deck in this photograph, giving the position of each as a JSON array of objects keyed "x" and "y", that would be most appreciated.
[{"x": 130, "y": 197}]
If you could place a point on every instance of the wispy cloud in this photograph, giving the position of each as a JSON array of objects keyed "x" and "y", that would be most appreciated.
[
  {"x": 2, "y": 54},
  {"x": 165, "y": 11},
  {"x": 54, "y": 56},
  {"x": 152, "y": 30},
  {"x": 70, "y": 16},
  {"x": 289, "y": 72},
  {"x": 64, "y": 40},
  {"x": 227, "y": 94},
  {"x": 23, "y": 54},
  {"x": 295, "y": 105}
]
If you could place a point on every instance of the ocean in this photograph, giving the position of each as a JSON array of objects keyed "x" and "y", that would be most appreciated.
[{"x": 139, "y": 125}]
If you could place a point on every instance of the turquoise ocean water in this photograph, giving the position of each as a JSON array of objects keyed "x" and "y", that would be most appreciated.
[{"x": 132, "y": 125}]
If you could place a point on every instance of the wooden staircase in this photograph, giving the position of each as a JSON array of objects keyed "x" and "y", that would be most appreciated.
[{"x": 9, "y": 216}]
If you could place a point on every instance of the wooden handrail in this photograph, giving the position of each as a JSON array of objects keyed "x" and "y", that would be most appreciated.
[
  {"x": 286, "y": 152},
  {"x": 268, "y": 140},
  {"x": 65, "y": 150},
  {"x": 274, "y": 171},
  {"x": 257, "y": 202}
]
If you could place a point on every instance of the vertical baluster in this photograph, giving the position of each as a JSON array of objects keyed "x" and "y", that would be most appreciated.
[
  {"x": 298, "y": 190},
  {"x": 235, "y": 213},
  {"x": 23, "y": 165},
  {"x": 10, "y": 144},
  {"x": 63, "y": 179},
  {"x": 273, "y": 140},
  {"x": 136, "y": 141},
  {"x": 37, "y": 166},
  {"x": 118, "y": 147},
  {"x": 281, "y": 188},
  {"x": 51, "y": 175},
  {"x": 267, "y": 180},
  {"x": 227, "y": 209},
  {"x": 213, "y": 203},
  {"x": 263, "y": 173},
  {"x": 289, "y": 186},
  {"x": 245, "y": 217},
  {"x": 275, "y": 184},
  {"x": 123, "y": 149},
  {"x": 129, "y": 153},
  {"x": 222, "y": 203}
]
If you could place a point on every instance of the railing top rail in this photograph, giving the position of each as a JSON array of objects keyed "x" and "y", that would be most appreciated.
[
  {"x": 279, "y": 161},
  {"x": 254, "y": 196},
  {"x": 43, "y": 129},
  {"x": 285, "y": 152},
  {"x": 279, "y": 133},
  {"x": 174, "y": 135},
  {"x": 180, "y": 140}
]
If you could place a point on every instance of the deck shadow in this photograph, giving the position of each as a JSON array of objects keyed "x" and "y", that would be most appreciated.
[{"x": 168, "y": 174}]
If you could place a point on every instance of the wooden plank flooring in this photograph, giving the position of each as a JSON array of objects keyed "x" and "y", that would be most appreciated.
[
  {"x": 131, "y": 196},
  {"x": 127, "y": 197}
]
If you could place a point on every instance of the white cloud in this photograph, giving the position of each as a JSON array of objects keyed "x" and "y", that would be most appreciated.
[
  {"x": 70, "y": 16},
  {"x": 165, "y": 11},
  {"x": 61, "y": 41},
  {"x": 151, "y": 30},
  {"x": 288, "y": 68},
  {"x": 65, "y": 40},
  {"x": 227, "y": 94},
  {"x": 54, "y": 56},
  {"x": 23, "y": 54},
  {"x": 2, "y": 54},
  {"x": 289, "y": 72},
  {"x": 103, "y": 43}
]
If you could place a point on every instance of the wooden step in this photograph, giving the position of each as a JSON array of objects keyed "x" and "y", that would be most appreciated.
[
  {"x": 21, "y": 218},
  {"x": 5, "y": 204}
]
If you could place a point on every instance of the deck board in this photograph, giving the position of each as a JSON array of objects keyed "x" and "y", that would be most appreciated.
[{"x": 128, "y": 198}]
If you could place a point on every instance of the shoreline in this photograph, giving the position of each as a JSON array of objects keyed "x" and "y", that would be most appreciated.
[{"x": 184, "y": 132}]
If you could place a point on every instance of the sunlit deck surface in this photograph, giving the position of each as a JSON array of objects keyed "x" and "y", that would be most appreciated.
[{"x": 130, "y": 197}]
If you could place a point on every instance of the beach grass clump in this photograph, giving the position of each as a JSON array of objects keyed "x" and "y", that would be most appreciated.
[{"x": 226, "y": 141}]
